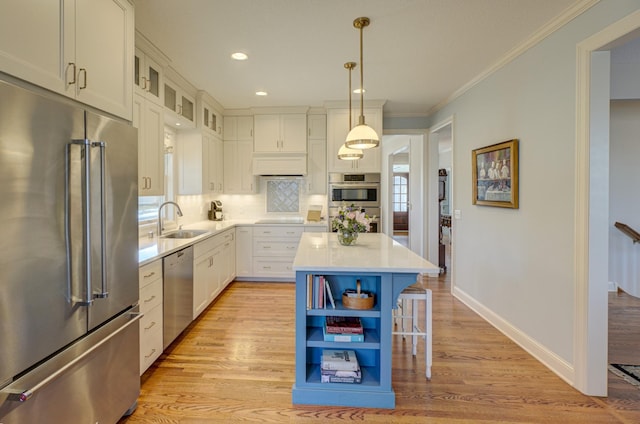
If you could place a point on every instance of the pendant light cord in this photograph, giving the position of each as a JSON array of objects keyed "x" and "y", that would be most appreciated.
[{"x": 361, "y": 120}]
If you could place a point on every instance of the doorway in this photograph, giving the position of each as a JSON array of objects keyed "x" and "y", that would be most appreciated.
[
  {"x": 404, "y": 151},
  {"x": 441, "y": 150},
  {"x": 592, "y": 203},
  {"x": 400, "y": 196}
]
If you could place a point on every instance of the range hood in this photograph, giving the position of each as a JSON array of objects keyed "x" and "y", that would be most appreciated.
[{"x": 279, "y": 164}]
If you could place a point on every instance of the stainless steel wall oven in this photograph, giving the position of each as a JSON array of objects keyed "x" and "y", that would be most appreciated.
[{"x": 361, "y": 190}]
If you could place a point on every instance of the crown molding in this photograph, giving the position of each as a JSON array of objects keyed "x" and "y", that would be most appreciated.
[{"x": 565, "y": 17}]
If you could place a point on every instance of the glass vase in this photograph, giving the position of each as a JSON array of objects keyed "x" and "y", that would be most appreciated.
[{"x": 347, "y": 238}]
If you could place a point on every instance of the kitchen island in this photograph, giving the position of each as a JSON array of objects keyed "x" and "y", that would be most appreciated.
[{"x": 384, "y": 268}]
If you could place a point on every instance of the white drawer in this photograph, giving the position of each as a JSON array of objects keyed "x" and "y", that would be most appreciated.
[
  {"x": 150, "y": 296},
  {"x": 150, "y": 337},
  {"x": 149, "y": 273},
  {"x": 274, "y": 247},
  {"x": 278, "y": 232},
  {"x": 211, "y": 243},
  {"x": 273, "y": 267}
]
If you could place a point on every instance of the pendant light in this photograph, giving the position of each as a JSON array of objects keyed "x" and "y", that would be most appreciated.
[
  {"x": 362, "y": 136},
  {"x": 348, "y": 153}
]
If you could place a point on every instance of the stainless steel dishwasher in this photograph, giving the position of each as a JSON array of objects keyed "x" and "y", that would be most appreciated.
[{"x": 178, "y": 293}]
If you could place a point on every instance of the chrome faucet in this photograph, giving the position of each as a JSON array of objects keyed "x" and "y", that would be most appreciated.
[{"x": 178, "y": 210}]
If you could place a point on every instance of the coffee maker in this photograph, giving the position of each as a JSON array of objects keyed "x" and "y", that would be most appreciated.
[{"x": 215, "y": 214}]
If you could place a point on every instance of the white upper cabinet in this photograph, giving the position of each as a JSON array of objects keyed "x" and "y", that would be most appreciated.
[
  {"x": 200, "y": 163},
  {"x": 337, "y": 130},
  {"x": 286, "y": 133},
  {"x": 238, "y": 128},
  {"x": 63, "y": 46},
  {"x": 179, "y": 101},
  {"x": 238, "y": 152},
  {"x": 209, "y": 117},
  {"x": 147, "y": 76},
  {"x": 148, "y": 118},
  {"x": 317, "y": 154},
  {"x": 317, "y": 125}
]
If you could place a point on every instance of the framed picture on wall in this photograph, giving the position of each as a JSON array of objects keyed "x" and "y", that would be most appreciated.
[{"x": 495, "y": 175}]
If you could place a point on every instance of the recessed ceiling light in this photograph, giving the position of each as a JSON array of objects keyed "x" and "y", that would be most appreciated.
[
  {"x": 357, "y": 90},
  {"x": 261, "y": 93},
  {"x": 177, "y": 124},
  {"x": 239, "y": 56}
]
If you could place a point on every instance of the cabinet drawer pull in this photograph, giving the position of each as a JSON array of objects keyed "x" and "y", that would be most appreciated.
[
  {"x": 151, "y": 274},
  {"x": 266, "y": 267},
  {"x": 153, "y": 323},
  {"x": 150, "y": 354},
  {"x": 150, "y": 299},
  {"x": 266, "y": 247}
]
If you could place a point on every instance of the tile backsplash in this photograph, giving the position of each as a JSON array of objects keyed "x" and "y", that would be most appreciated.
[{"x": 255, "y": 206}]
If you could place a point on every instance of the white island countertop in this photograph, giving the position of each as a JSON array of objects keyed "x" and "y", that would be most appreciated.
[{"x": 373, "y": 252}]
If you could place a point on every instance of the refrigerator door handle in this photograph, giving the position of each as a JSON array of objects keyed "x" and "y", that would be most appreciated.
[
  {"x": 103, "y": 220},
  {"x": 87, "y": 298},
  {"x": 22, "y": 395}
]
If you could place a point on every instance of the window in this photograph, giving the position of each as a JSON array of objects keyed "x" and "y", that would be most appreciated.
[{"x": 400, "y": 192}]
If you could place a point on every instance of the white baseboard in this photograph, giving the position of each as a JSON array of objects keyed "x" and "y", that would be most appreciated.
[
  {"x": 613, "y": 286},
  {"x": 548, "y": 358}
]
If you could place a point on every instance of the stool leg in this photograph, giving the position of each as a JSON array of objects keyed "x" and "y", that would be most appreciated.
[
  {"x": 428, "y": 340},
  {"x": 402, "y": 320},
  {"x": 414, "y": 322}
]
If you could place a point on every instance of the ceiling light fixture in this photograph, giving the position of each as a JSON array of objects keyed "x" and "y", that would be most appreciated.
[
  {"x": 261, "y": 93},
  {"x": 347, "y": 153},
  {"x": 239, "y": 56},
  {"x": 362, "y": 136}
]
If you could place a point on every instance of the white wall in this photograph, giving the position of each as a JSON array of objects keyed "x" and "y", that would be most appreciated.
[
  {"x": 516, "y": 266},
  {"x": 624, "y": 202},
  {"x": 625, "y": 68}
]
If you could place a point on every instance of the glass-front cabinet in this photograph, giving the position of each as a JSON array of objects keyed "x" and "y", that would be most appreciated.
[{"x": 179, "y": 101}]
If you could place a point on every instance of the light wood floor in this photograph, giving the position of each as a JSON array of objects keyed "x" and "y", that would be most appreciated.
[{"x": 236, "y": 364}]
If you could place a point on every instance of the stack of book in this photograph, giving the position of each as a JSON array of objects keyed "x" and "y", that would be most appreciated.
[
  {"x": 340, "y": 366},
  {"x": 343, "y": 329},
  {"x": 319, "y": 294}
]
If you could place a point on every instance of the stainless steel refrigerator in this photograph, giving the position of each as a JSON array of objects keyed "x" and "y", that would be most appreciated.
[{"x": 69, "y": 343}]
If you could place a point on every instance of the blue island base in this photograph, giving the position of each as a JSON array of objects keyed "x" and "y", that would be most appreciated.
[{"x": 332, "y": 397}]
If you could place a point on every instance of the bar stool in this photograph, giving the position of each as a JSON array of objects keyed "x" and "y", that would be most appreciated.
[{"x": 415, "y": 293}]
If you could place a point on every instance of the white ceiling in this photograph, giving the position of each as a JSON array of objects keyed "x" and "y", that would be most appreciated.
[{"x": 417, "y": 53}]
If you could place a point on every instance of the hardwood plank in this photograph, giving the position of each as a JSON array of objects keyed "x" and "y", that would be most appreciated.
[{"x": 236, "y": 364}]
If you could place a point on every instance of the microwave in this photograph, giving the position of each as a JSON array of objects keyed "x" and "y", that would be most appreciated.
[{"x": 358, "y": 189}]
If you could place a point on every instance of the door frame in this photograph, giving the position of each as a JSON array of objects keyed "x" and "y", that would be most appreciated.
[
  {"x": 592, "y": 204},
  {"x": 418, "y": 183},
  {"x": 433, "y": 201}
]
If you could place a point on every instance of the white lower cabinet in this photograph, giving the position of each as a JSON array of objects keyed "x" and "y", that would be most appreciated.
[
  {"x": 244, "y": 257},
  {"x": 274, "y": 248},
  {"x": 266, "y": 252},
  {"x": 213, "y": 268},
  {"x": 150, "y": 281}
]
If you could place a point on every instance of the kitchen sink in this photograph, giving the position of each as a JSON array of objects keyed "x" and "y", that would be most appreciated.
[{"x": 185, "y": 234}]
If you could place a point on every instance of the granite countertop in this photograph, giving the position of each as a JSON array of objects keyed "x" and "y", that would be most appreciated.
[
  {"x": 159, "y": 247},
  {"x": 373, "y": 252}
]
